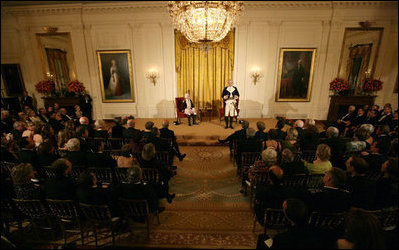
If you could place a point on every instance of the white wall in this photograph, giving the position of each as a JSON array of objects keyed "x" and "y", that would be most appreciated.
[{"x": 145, "y": 28}]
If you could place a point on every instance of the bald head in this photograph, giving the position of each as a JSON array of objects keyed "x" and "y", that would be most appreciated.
[
  {"x": 84, "y": 120},
  {"x": 131, "y": 123}
]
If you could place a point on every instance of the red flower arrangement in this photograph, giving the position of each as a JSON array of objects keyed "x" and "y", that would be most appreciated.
[
  {"x": 45, "y": 86},
  {"x": 124, "y": 120},
  {"x": 371, "y": 85},
  {"x": 339, "y": 84},
  {"x": 75, "y": 86}
]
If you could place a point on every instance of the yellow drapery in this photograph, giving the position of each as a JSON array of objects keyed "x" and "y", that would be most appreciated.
[
  {"x": 360, "y": 51},
  {"x": 203, "y": 74}
]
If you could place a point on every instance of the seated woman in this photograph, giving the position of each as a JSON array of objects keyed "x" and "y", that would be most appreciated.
[
  {"x": 74, "y": 155},
  {"x": 134, "y": 189},
  {"x": 22, "y": 176},
  {"x": 148, "y": 160},
  {"x": 100, "y": 129},
  {"x": 290, "y": 141},
  {"x": 67, "y": 133},
  {"x": 322, "y": 164},
  {"x": 260, "y": 134},
  {"x": 62, "y": 186},
  {"x": 269, "y": 158},
  {"x": 272, "y": 140},
  {"x": 126, "y": 159},
  {"x": 359, "y": 141},
  {"x": 290, "y": 166}
]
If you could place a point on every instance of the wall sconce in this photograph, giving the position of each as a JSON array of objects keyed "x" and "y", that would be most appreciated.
[
  {"x": 152, "y": 75},
  {"x": 256, "y": 75}
]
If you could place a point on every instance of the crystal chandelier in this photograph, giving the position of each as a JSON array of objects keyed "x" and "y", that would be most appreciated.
[{"x": 205, "y": 21}]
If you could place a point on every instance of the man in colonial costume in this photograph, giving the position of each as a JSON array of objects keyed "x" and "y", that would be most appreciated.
[
  {"x": 189, "y": 110},
  {"x": 230, "y": 95}
]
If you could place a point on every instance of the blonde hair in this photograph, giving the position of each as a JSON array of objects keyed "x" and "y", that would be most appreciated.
[
  {"x": 20, "y": 173},
  {"x": 99, "y": 124},
  {"x": 292, "y": 134},
  {"x": 324, "y": 152}
]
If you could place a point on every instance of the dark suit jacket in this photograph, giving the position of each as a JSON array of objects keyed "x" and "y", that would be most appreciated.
[
  {"x": 100, "y": 160},
  {"x": 260, "y": 135},
  {"x": 7, "y": 125},
  {"x": 309, "y": 141},
  {"x": 131, "y": 133},
  {"x": 375, "y": 161},
  {"x": 293, "y": 168},
  {"x": 167, "y": 133},
  {"x": 44, "y": 118},
  {"x": 47, "y": 159},
  {"x": 84, "y": 145},
  {"x": 385, "y": 119},
  {"x": 86, "y": 106},
  {"x": 330, "y": 200},
  {"x": 16, "y": 134},
  {"x": 248, "y": 145},
  {"x": 77, "y": 158},
  {"x": 56, "y": 125},
  {"x": 62, "y": 188},
  {"x": 359, "y": 120},
  {"x": 100, "y": 134},
  {"x": 301, "y": 133},
  {"x": 338, "y": 147},
  {"x": 280, "y": 134},
  {"x": 7, "y": 156},
  {"x": 387, "y": 193},
  {"x": 117, "y": 131},
  {"x": 99, "y": 196},
  {"x": 28, "y": 156},
  {"x": 185, "y": 104},
  {"x": 363, "y": 192},
  {"x": 137, "y": 191}
]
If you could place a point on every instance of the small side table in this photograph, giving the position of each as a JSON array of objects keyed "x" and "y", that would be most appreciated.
[{"x": 206, "y": 113}]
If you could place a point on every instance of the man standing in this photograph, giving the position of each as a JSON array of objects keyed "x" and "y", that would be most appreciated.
[
  {"x": 189, "y": 110},
  {"x": 27, "y": 100},
  {"x": 230, "y": 95},
  {"x": 85, "y": 103}
]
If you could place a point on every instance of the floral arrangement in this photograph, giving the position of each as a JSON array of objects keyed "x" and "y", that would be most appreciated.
[
  {"x": 371, "y": 85},
  {"x": 289, "y": 122},
  {"x": 45, "y": 86},
  {"x": 124, "y": 120},
  {"x": 339, "y": 84},
  {"x": 75, "y": 86}
]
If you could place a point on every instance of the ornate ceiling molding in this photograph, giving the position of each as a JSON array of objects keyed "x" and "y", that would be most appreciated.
[{"x": 318, "y": 4}]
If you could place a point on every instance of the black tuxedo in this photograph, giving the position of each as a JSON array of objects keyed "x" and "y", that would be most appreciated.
[
  {"x": 363, "y": 192},
  {"x": 138, "y": 191},
  {"x": 310, "y": 140},
  {"x": 117, "y": 131},
  {"x": 63, "y": 188},
  {"x": 359, "y": 120},
  {"x": 260, "y": 135},
  {"x": 169, "y": 134},
  {"x": 77, "y": 158},
  {"x": 330, "y": 200},
  {"x": 100, "y": 134},
  {"x": 347, "y": 118},
  {"x": 84, "y": 145},
  {"x": 44, "y": 118},
  {"x": 85, "y": 102},
  {"x": 28, "y": 156},
  {"x": 56, "y": 125},
  {"x": 280, "y": 134},
  {"x": 375, "y": 161},
  {"x": 27, "y": 101},
  {"x": 7, "y": 125},
  {"x": 385, "y": 119},
  {"x": 371, "y": 120},
  {"x": 100, "y": 160}
]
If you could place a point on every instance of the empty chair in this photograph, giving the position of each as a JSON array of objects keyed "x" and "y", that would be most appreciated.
[
  {"x": 163, "y": 157},
  {"x": 138, "y": 208},
  {"x": 7, "y": 166},
  {"x": 333, "y": 221},
  {"x": 99, "y": 217},
  {"x": 76, "y": 171},
  {"x": 67, "y": 215},
  {"x": 37, "y": 213},
  {"x": 260, "y": 178},
  {"x": 46, "y": 172},
  {"x": 151, "y": 175}
]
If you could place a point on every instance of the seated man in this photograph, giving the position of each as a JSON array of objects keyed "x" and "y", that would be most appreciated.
[
  {"x": 131, "y": 131},
  {"x": 291, "y": 166},
  {"x": 346, "y": 120},
  {"x": 378, "y": 155},
  {"x": 332, "y": 198},
  {"x": 250, "y": 144},
  {"x": 117, "y": 130},
  {"x": 237, "y": 135},
  {"x": 189, "y": 110},
  {"x": 146, "y": 133},
  {"x": 337, "y": 146},
  {"x": 85, "y": 122},
  {"x": 165, "y": 132},
  {"x": 162, "y": 144},
  {"x": 62, "y": 186}
]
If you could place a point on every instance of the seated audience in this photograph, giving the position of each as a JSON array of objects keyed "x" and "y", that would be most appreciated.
[
  {"x": 291, "y": 166},
  {"x": 250, "y": 144},
  {"x": 165, "y": 132},
  {"x": 67, "y": 133},
  {"x": 100, "y": 130},
  {"x": 363, "y": 230},
  {"x": 337, "y": 146},
  {"x": 98, "y": 158},
  {"x": 372, "y": 117},
  {"x": 281, "y": 135},
  {"x": 24, "y": 187},
  {"x": 162, "y": 144},
  {"x": 386, "y": 117},
  {"x": 322, "y": 164},
  {"x": 237, "y": 135},
  {"x": 359, "y": 142},
  {"x": 117, "y": 130},
  {"x": 46, "y": 154},
  {"x": 62, "y": 186},
  {"x": 332, "y": 198},
  {"x": 269, "y": 159},
  {"x": 135, "y": 189},
  {"x": 126, "y": 159},
  {"x": 55, "y": 122},
  {"x": 387, "y": 186},
  {"x": 18, "y": 129},
  {"x": 260, "y": 134},
  {"x": 6, "y": 121},
  {"x": 74, "y": 154},
  {"x": 84, "y": 121},
  {"x": 131, "y": 131},
  {"x": 146, "y": 133},
  {"x": 27, "y": 153},
  {"x": 310, "y": 138},
  {"x": 378, "y": 154},
  {"x": 299, "y": 235},
  {"x": 82, "y": 133},
  {"x": 290, "y": 141},
  {"x": 363, "y": 190},
  {"x": 7, "y": 149},
  {"x": 272, "y": 140},
  {"x": 346, "y": 120},
  {"x": 299, "y": 126}
]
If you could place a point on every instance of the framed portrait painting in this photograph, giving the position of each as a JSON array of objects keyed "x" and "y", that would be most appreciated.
[
  {"x": 12, "y": 78},
  {"x": 115, "y": 68},
  {"x": 295, "y": 75}
]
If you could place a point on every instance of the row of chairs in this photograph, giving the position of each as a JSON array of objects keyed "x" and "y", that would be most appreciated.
[
  {"x": 115, "y": 143},
  {"x": 275, "y": 219},
  {"x": 73, "y": 217}
]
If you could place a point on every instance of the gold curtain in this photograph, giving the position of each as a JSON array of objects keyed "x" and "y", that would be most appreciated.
[
  {"x": 203, "y": 74},
  {"x": 58, "y": 64}
]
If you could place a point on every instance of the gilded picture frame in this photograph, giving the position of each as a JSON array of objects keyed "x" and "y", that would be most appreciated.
[
  {"x": 295, "y": 74},
  {"x": 116, "y": 76}
]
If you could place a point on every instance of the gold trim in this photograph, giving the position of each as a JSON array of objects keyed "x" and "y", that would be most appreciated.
[
  {"x": 309, "y": 91},
  {"x": 43, "y": 58},
  {"x": 129, "y": 56}
]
